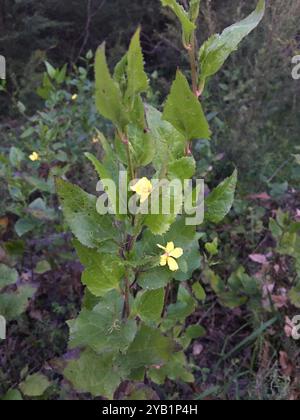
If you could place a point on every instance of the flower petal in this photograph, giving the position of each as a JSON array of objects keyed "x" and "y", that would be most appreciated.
[
  {"x": 34, "y": 157},
  {"x": 163, "y": 260},
  {"x": 170, "y": 247},
  {"x": 135, "y": 187},
  {"x": 143, "y": 188},
  {"x": 161, "y": 247},
  {"x": 173, "y": 266},
  {"x": 147, "y": 184},
  {"x": 144, "y": 197},
  {"x": 177, "y": 253}
]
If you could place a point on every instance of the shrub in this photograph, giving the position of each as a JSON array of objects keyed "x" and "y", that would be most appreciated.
[{"x": 139, "y": 268}]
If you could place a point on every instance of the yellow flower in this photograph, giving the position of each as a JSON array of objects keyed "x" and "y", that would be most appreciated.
[
  {"x": 170, "y": 256},
  {"x": 74, "y": 97},
  {"x": 34, "y": 157},
  {"x": 143, "y": 188}
]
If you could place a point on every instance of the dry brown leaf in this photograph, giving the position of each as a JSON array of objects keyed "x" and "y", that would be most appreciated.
[
  {"x": 259, "y": 258},
  {"x": 289, "y": 326},
  {"x": 197, "y": 349},
  {"x": 287, "y": 367}
]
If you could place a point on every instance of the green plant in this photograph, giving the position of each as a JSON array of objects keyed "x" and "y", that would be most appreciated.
[
  {"x": 286, "y": 231},
  {"x": 139, "y": 268},
  {"x": 49, "y": 144},
  {"x": 13, "y": 301},
  {"x": 246, "y": 129}
]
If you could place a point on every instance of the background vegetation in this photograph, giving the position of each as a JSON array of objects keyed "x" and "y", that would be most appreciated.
[{"x": 253, "y": 106}]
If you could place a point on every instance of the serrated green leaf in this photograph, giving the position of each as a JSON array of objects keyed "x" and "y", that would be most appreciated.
[
  {"x": 150, "y": 305},
  {"x": 61, "y": 74},
  {"x": 219, "y": 202},
  {"x": 239, "y": 282},
  {"x": 199, "y": 292},
  {"x": 192, "y": 260},
  {"x": 184, "y": 306},
  {"x": 289, "y": 244},
  {"x": 275, "y": 229},
  {"x": 149, "y": 347},
  {"x": 159, "y": 223},
  {"x": 218, "y": 48},
  {"x": 25, "y": 225},
  {"x": 104, "y": 174},
  {"x": 79, "y": 208},
  {"x": 39, "y": 184},
  {"x": 132, "y": 79},
  {"x": 155, "y": 279},
  {"x": 35, "y": 385},
  {"x": 27, "y": 133},
  {"x": 195, "y": 331},
  {"x": 136, "y": 76},
  {"x": 184, "y": 237},
  {"x": 100, "y": 168},
  {"x": 109, "y": 160},
  {"x": 108, "y": 94},
  {"x": 102, "y": 328},
  {"x": 120, "y": 73},
  {"x": 137, "y": 112},
  {"x": 12, "y": 395},
  {"x": 148, "y": 243},
  {"x": 89, "y": 300},
  {"x": 212, "y": 247},
  {"x": 109, "y": 169},
  {"x": 142, "y": 146},
  {"x": 229, "y": 299},
  {"x": 176, "y": 370},
  {"x": 103, "y": 272},
  {"x": 42, "y": 267},
  {"x": 137, "y": 375},
  {"x": 140, "y": 392},
  {"x": 184, "y": 111},
  {"x": 50, "y": 70},
  {"x": 8, "y": 276},
  {"x": 13, "y": 304},
  {"x": 16, "y": 156},
  {"x": 188, "y": 27},
  {"x": 39, "y": 210},
  {"x": 170, "y": 144},
  {"x": 94, "y": 373},
  {"x": 183, "y": 168}
]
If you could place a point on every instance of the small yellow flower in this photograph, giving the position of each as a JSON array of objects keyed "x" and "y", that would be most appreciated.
[
  {"x": 170, "y": 256},
  {"x": 34, "y": 157},
  {"x": 74, "y": 97},
  {"x": 143, "y": 188}
]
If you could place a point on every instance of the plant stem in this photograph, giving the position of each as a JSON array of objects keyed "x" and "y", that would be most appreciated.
[
  {"x": 167, "y": 294},
  {"x": 201, "y": 88},
  {"x": 130, "y": 166},
  {"x": 125, "y": 141},
  {"x": 193, "y": 64},
  {"x": 129, "y": 247},
  {"x": 126, "y": 309}
]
